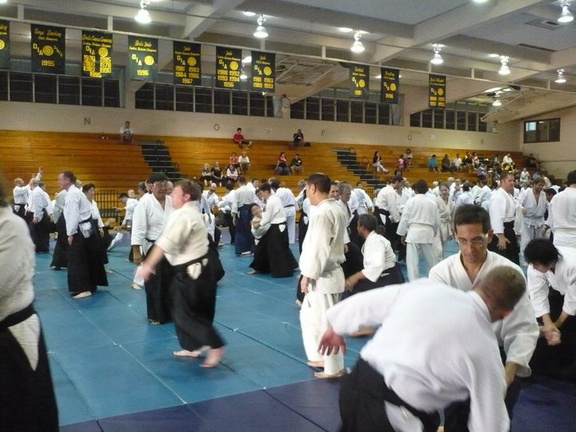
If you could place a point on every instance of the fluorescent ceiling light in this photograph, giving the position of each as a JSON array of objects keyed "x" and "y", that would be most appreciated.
[
  {"x": 357, "y": 47},
  {"x": 437, "y": 58},
  {"x": 261, "y": 32},
  {"x": 504, "y": 69},
  {"x": 561, "y": 79},
  {"x": 143, "y": 16},
  {"x": 248, "y": 13},
  {"x": 345, "y": 29},
  {"x": 566, "y": 16}
]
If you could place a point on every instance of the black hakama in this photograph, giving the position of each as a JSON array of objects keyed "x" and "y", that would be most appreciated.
[
  {"x": 282, "y": 262},
  {"x": 27, "y": 398},
  {"x": 194, "y": 305},
  {"x": 261, "y": 263},
  {"x": 60, "y": 255},
  {"x": 85, "y": 265},
  {"x": 40, "y": 233},
  {"x": 512, "y": 251},
  {"x": 157, "y": 289},
  {"x": 393, "y": 276},
  {"x": 244, "y": 241}
]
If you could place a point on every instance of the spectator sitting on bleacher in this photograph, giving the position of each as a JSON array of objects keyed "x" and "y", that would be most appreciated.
[
  {"x": 281, "y": 165},
  {"x": 400, "y": 165},
  {"x": 232, "y": 173},
  {"x": 217, "y": 176},
  {"x": 408, "y": 158},
  {"x": 377, "y": 163},
  {"x": 298, "y": 140},
  {"x": 507, "y": 163},
  {"x": 432, "y": 163},
  {"x": 446, "y": 164},
  {"x": 126, "y": 133},
  {"x": 296, "y": 165},
  {"x": 233, "y": 160},
  {"x": 457, "y": 162},
  {"x": 206, "y": 175},
  {"x": 240, "y": 140},
  {"x": 244, "y": 162}
]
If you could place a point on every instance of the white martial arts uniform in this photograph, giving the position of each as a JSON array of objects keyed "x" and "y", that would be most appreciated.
[
  {"x": 463, "y": 198},
  {"x": 562, "y": 219},
  {"x": 289, "y": 202},
  {"x": 149, "y": 220},
  {"x": 365, "y": 203},
  {"x": 563, "y": 280},
  {"x": 420, "y": 224},
  {"x": 445, "y": 215},
  {"x": 378, "y": 256},
  {"x": 434, "y": 347},
  {"x": 518, "y": 332},
  {"x": 387, "y": 200},
  {"x": 322, "y": 254},
  {"x": 532, "y": 219}
]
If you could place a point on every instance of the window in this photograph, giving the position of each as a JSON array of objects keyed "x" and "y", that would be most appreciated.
[
  {"x": 472, "y": 120},
  {"x": 3, "y": 85},
  {"x": 542, "y": 130},
  {"x": 203, "y": 100},
  {"x": 164, "y": 97},
  {"x": 240, "y": 103},
  {"x": 415, "y": 120},
  {"x": 144, "y": 98},
  {"x": 184, "y": 98},
  {"x": 438, "y": 118},
  {"x": 21, "y": 87},
  {"x": 257, "y": 104},
  {"x": 450, "y": 119},
  {"x": 297, "y": 109},
  {"x": 461, "y": 120},
  {"x": 342, "y": 108},
  {"x": 370, "y": 112},
  {"x": 45, "y": 89},
  {"x": 221, "y": 101},
  {"x": 427, "y": 118},
  {"x": 92, "y": 91},
  {"x": 313, "y": 108},
  {"x": 328, "y": 108},
  {"x": 69, "y": 90},
  {"x": 356, "y": 112},
  {"x": 112, "y": 93}
]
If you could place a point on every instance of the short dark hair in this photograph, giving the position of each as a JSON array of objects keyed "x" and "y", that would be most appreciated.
[
  {"x": 69, "y": 175},
  {"x": 420, "y": 187},
  {"x": 321, "y": 181},
  {"x": 397, "y": 178},
  {"x": 571, "y": 178},
  {"x": 157, "y": 177},
  {"x": 368, "y": 221},
  {"x": 541, "y": 250},
  {"x": 88, "y": 186},
  {"x": 275, "y": 183},
  {"x": 266, "y": 187},
  {"x": 122, "y": 195},
  {"x": 472, "y": 214}
]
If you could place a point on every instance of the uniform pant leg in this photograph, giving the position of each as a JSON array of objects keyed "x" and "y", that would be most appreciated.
[{"x": 412, "y": 257}]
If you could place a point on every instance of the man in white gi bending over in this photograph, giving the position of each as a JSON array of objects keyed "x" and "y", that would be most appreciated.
[
  {"x": 322, "y": 276},
  {"x": 435, "y": 346},
  {"x": 517, "y": 334}
]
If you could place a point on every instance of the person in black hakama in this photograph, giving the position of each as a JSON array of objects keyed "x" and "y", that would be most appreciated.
[
  {"x": 281, "y": 261},
  {"x": 27, "y": 401},
  {"x": 260, "y": 263},
  {"x": 244, "y": 196},
  {"x": 60, "y": 254},
  {"x": 85, "y": 260},
  {"x": 184, "y": 243}
]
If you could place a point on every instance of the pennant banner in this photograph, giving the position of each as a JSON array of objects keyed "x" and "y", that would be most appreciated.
[
  {"x": 48, "y": 49},
  {"x": 187, "y": 63},
  {"x": 437, "y": 91},
  {"x": 390, "y": 85},
  {"x": 359, "y": 78},
  {"x": 142, "y": 58},
  {"x": 228, "y": 67},
  {"x": 263, "y": 72},
  {"x": 96, "y": 54},
  {"x": 4, "y": 44}
]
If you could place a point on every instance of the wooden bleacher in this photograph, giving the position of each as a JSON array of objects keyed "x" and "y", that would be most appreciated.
[{"x": 119, "y": 167}]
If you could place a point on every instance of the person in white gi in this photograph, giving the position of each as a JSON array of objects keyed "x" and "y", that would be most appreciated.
[
  {"x": 365, "y": 204},
  {"x": 434, "y": 346},
  {"x": 518, "y": 332},
  {"x": 21, "y": 191},
  {"x": 41, "y": 208},
  {"x": 502, "y": 216},
  {"x": 445, "y": 213},
  {"x": 562, "y": 218},
  {"x": 418, "y": 228},
  {"x": 322, "y": 276},
  {"x": 533, "y": 205},
  {"x": 289, "y": 202}
]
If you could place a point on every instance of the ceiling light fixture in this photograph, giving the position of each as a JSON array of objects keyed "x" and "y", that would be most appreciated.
[
  {"x": 3, "y": 1},
  {"x": 249, "y": 13},
  {"x": 504, "y": 69},
  {"x": 497, "y": 102},
  {"x": 345, "y": 29},
  {"x": 480, "y": 1},
  {"x": 566, "y": 16},
  {"x": 437, "y": 58},
  {"x": 143, "y": 16},
  {"x": 261, "y": 32},
  {"x": 561, "y": 79},
  {"x": 357, "y": 47}
]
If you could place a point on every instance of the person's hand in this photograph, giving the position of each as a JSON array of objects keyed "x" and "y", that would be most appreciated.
[
  {"x": 143, "y": 271},
  {"x": 331, "y": 343},
  {"x": 70, "y": 239},
  {"x": 137, "y": 256},
  {"x": 403, "y": 240},
  {"x": 502, "y": 242},
  {"x": 349, "y": 283},
  {"x": 551, "y": 334},
  {"x": 304, "y": 284}
]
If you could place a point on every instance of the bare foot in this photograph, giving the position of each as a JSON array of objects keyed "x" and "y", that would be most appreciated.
[
  {"x": 316, "y": 364},
  {"x": 323, "y": 375},
  {"x": 213, "y": 358},
  {"x": 81, "y": 295},
  {"x": 186, "y": 353}
]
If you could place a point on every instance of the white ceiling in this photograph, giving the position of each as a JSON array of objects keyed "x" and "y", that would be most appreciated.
[{"x": 398, "y": 33}]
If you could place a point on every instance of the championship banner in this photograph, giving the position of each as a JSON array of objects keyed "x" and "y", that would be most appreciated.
[
  {"x": 142, "y": 58},
  {"x": 96, "y": 54},
  {"x": 4, "y": 44},
  {"x": 187, "y": 63},
  {"x": 390, "y": 85},
  {"x": 437, "y": 91},
  {"x": 48, "y": 49},
  {"x": 359, "y": 78},
  {"x": 263, "y": 72},
  {"x": 228, "y": 67}
]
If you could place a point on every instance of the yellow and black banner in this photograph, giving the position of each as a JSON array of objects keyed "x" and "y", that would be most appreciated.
[
  {"x": 96, "y": 54},
  {"x": 142, "y": 58},
  {"x": 437, "y": 91},
  {"x": 228, "y": 67},
  {"x": 187, "y": 63},
  {"x": 390, "y": 85},
  {"x": 48, "y": 49},
  {"x": 263, "y": 76},
  {"x": 4, "y": 44},
  {"x": 359, "y": 78}
]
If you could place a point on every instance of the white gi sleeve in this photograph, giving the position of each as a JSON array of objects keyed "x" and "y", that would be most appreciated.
[{"x": 538, "y": 288}]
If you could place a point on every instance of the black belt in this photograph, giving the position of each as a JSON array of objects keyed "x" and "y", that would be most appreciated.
[
  {"x": 509, "y": 224},
  {"x": 17, "y": 317},
  {"x": 148, "y": 240},
  {"x": 289, "y": 205}
]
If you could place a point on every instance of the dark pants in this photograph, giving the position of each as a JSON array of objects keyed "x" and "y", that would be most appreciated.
[
  {"x": 512, "y": 251},
  {"x": 362, "y": 408}
]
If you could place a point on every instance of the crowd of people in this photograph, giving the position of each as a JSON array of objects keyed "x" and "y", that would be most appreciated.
[{"x": 501, "y": 323}]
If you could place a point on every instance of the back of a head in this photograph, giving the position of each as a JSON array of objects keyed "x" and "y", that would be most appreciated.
[
  {"x": 396, "y": 179},
  {"x": 468, "y": 214},
  {"x": 571, "y": 178},
  {"x": 321, "y": 181},
  {"x": 368, "y": 221},
  {"x": 503, "y": 286},
  {"x": 275, "y": 184},
  {"x": 420, "y": 187},
  {"x": 542, "y": 251}
]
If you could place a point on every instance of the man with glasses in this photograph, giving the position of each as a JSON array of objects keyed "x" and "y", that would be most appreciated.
[{"x": 518, "y": 332}]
